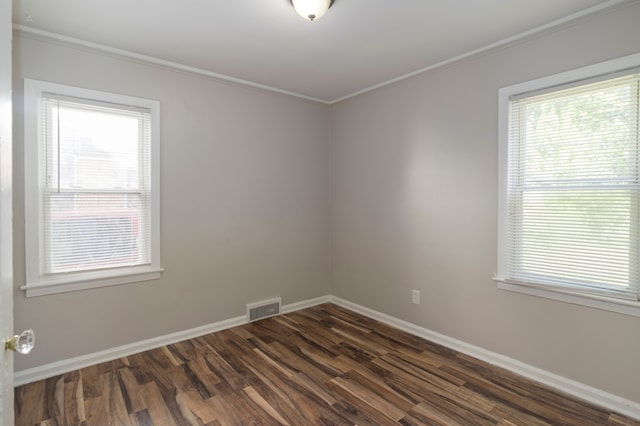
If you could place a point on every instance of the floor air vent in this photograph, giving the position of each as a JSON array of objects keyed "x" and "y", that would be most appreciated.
[{"x": 264, "y": 309}]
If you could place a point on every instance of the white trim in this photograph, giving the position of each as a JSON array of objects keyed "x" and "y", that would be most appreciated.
[
  {"x": 174, "y": 65},
  {"x": 579, "y": 390},
  {"x": 501, "y": 43},
  {"x": 60, "y": 367},
  {"x": 46, "y": 35},
  {"x": 621, "y": 306},
  {"x": 292, "y": 307},
  {"x": 37, "y": 283},
  {"x": 578, "y": 74},
  {"x": 505, "y": 94},
  {"x": 587, "y": 393},
  {"x": 64, "y": 286},
  {"x": 8, "y": 188}
]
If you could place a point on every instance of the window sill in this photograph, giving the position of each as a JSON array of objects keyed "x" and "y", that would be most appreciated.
[
  {"x": 626, "y": 307},
  {"x": 91, "y": 280}
]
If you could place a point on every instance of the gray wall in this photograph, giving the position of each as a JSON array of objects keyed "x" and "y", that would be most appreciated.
[
  {"x": 244, "y": 194},
  {"x": 414, "y": 205}
]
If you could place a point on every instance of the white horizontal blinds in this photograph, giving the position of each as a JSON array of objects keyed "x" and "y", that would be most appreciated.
[
  {"x": 96, "y": 185},
  {"x": 573, "y": 188}
]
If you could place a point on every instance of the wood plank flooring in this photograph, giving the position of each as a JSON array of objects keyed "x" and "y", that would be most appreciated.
[{"x": 323, "y": 365}]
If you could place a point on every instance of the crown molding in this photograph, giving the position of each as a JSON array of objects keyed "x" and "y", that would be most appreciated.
[
  {"x": 31, "y": 32},
  {"x": 534, "y": 32}
]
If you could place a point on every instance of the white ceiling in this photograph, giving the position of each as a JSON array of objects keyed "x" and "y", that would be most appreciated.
[{"x": 357, "y": 45}]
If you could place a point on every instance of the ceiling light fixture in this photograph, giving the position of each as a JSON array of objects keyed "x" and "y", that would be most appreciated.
[{"x": 311, "y": 9}]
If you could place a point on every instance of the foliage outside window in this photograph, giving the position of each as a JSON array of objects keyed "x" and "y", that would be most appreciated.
[{"x": 570, "y": 205}]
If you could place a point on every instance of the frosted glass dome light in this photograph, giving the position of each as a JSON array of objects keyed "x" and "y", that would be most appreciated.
[{"x": 311, "y": 9}]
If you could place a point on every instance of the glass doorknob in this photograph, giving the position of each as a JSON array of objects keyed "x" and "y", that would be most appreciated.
[{"x": 21, "y": 343}]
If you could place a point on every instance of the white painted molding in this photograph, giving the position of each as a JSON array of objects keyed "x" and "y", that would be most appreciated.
[
  {"x": 533, "y": 32},
  {"x": 292, "y": 307},
  {"x": 60, "y": 367},
  {"x": 101, "y": 48},
  {"x": 558, "y": 23},
  {"x": 579, "y": 390},
  {"x": 625, "y": 307}
]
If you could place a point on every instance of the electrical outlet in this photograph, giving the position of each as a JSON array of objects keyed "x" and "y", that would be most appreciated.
[{"x": 415, "y": 297}]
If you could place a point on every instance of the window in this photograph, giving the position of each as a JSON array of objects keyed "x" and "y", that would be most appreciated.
[
  {"x": 570, "y": 186},
  {"x": 91, "y": 188}
]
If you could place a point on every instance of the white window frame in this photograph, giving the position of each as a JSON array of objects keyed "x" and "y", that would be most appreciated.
[
  {"x": 628, "y": 307},
  {"x": 38, "y": 283}
]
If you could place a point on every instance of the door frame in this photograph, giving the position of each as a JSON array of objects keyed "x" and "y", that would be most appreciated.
[{"x": 6, "y": 231}]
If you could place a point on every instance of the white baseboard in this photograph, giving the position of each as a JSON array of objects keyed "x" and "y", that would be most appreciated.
[
  {"x": 292, "y": 307},
  {"x": 71, "y": 364},
  {"x": 60, "y": 367},
  {"x": 579, "y": 390}
]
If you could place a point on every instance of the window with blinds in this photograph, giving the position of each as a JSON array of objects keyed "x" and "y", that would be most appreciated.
[
  {"x": 96, "y": 194},
  {"x": 96, "y": 177},
  {"x": 571, "y": 205}
]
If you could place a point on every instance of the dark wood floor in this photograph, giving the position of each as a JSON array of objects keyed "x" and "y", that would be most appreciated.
[{"x": 320, "y": 366}]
